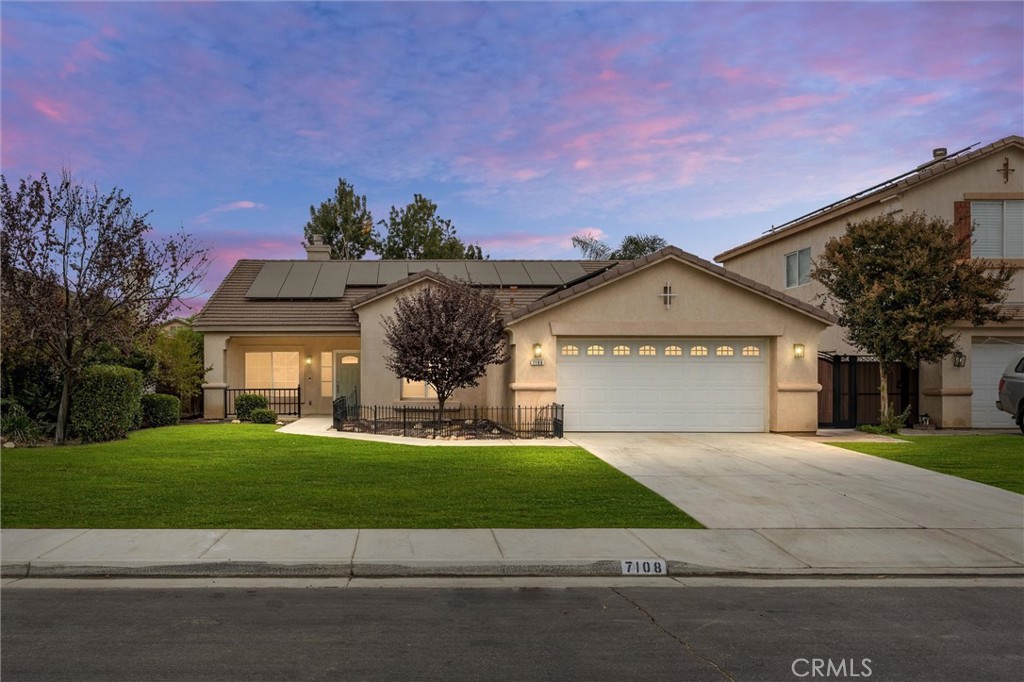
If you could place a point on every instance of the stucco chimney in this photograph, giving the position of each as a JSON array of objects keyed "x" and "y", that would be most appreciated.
[
  {"x": 317, "y": 250},
  {"x": 939, "y": 153}
]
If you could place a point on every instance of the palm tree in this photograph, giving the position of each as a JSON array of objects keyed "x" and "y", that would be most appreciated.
[{"x": 632, "y": 247}]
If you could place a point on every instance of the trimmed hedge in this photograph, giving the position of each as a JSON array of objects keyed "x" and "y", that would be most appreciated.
[
  {"x": 262, "y": 415},
  {"x": 160, "y": 409},
  {"x": 106, "y": 403},
  {"x": 245, "y": 403}
]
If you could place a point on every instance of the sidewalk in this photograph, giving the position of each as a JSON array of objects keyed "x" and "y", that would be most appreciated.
[{"x": 507, "y": 552}]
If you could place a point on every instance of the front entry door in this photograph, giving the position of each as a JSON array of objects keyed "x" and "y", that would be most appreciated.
[{"x": 346, "y": 376}]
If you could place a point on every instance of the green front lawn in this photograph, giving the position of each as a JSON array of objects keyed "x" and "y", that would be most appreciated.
[
  {"x": 994, "y": 460},
  {"x": 247, "y": 476}
]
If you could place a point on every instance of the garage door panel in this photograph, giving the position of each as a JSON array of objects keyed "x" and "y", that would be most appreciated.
[
  {"x": 673, "y": 390},
  {"x": 988, "y": 360}
]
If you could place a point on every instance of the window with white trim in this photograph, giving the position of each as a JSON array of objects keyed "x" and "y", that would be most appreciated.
[
  {"x": 327, "y": 374},
  {"x": 798, "y": 268},
  {"x": 998, "y": 229},
  {"x": 417, "y": 390},
  {"x": 276, "y": 369}
]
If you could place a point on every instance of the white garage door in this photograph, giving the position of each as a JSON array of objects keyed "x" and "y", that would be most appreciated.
[
  {"x": 988, "y": 360},
  {"x": 662, "y": 385}
]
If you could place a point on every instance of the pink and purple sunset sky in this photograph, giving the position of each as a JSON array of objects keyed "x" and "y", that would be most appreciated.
[{"x": 526, "y": 123}]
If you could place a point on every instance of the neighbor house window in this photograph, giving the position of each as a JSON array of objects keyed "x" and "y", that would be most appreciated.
[
  {"x": 620, "y": 350},
  {"x": 327, "y": 374},
  {"x": 417, "y": 390},
  {"x": 998, "y": 229},
  {"x": 570, "y": 350},
  {"x": 277, "y": 369},
  {"x": 647, "y": 350},
  {"x": 699, "y": 351},
  {"x": 798, "y": 267}
]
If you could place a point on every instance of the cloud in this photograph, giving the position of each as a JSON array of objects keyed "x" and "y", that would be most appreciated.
[{"x": 225, "y": 208}]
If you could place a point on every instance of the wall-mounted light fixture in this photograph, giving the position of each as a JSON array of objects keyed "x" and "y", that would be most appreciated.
[
  {"x": 309, "y": 360},
  {"x": 798, "y": 350},
  {"x": 537, "y": 350},
  {"x": 959, "y": 359}
]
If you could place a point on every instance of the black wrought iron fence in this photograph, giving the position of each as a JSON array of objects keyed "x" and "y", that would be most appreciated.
[
  {"x": 462, "y": 423},
  {"x": 284, "y": 401}
]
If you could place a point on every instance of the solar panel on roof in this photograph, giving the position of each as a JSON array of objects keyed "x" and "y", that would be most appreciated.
[
  {"x": 568, "y": 270},
  {"x": 300, "y": 280},
  {"x": 454, "y": 270},
  {"x": 269, "y": 281},
  {"x": 482, "y": 272},
  {"x": 512, "y": 273},
  {"x": 542, "y": 273},
  {"x": 363, "y": 274},
  {"x": 332, "y": 279},
  {"x": 392, "y": 271}
]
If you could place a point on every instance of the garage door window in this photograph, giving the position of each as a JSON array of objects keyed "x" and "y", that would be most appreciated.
[
  {"x": 648, "y": 350},
  {"x": 698, "y": 351},
  {"x": 570, "y": 350},
  {"x": 724, "y": 351},
  {"x": 751, "y": 351},
  {"x": 620, "y": 350},
  {"x": 595, "y": 350},
  {"x": 673, "y": 350}
]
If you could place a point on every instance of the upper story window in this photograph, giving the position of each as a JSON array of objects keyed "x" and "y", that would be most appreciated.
[
  {"x": 998, "y": 229},
  {"x": 798, "y": 267}
]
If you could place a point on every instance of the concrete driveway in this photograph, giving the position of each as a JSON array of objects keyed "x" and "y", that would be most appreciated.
[{"x": 773, "y": 481}]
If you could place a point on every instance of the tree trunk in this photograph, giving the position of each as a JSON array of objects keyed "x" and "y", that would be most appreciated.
[
  {"x": 883, "y": 371},
  {"x": 60, "y": 432}
]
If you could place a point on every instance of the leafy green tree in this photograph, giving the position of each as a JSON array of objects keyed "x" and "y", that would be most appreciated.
[
  {"x": 632, "y": 247},
  {"x": 898, "y": 283},
  {"x": 445, "y": 335},
  {"x": 416, "y": 232},
  {"x": 78, "y": 269},
  {"x": 343, "y": 223},
  {"x": 179, "y": 362}
]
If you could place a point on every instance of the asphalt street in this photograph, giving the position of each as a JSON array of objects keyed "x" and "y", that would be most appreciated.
[{"x": 717, "y": 632}]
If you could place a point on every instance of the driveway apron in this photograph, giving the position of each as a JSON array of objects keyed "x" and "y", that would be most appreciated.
[{"x": 774, "y": 481}]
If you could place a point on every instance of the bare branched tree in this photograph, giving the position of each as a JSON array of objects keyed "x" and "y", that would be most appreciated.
[{"x": 79, "y": 269}]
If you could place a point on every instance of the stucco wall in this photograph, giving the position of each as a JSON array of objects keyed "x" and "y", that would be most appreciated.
[{"x": 706, "y": 306}]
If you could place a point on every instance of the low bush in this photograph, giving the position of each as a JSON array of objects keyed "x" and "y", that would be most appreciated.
[
  {"x": 888, "y": 424},
  {"x": 106, "y": 403},
  {"x": 160, "y": 409},
  {"x": 16, "y": 425},
  {"x": 262, "y": 415},
  {"x": 246, "y": 403}
]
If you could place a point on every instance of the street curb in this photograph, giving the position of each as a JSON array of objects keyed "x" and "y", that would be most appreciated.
[{"x": 490, "y": 569}]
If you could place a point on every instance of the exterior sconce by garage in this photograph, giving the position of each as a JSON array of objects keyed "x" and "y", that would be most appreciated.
[
  {"x": 538, "y": 350},
  {"x": 959, "y": 359},
  {"x": 799, "y": 350}
]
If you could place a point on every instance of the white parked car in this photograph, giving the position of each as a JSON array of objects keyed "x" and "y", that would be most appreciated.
[{"x": 1011, "y": 390}]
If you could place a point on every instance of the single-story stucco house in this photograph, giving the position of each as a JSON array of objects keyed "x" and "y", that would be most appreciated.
[
  {"x": 979, "y": 188},
  {"x": 669, "y": 342}
]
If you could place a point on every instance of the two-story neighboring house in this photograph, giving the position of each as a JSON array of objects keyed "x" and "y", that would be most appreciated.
[{"x": 979, "y": 186}]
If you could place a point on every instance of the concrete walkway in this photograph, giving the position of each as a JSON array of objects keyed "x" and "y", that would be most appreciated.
[{"x": 773, "y": 505}]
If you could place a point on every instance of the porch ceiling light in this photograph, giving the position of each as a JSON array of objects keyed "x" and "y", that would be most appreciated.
[
  {"x": 798, "y": 350},
  {"x": 959, "y": 359},
  {"x": 309, "y": 359},
  {"x": 537, "y": 350}
]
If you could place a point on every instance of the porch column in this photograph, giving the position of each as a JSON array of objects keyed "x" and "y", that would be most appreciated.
[{"x": 215, "y": 348}]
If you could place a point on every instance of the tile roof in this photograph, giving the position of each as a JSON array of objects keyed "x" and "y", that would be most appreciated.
[
  {"x": 231, "y": 309},
  {"x": 628, "y": 267},
  {"x": 922, "y": 174}
]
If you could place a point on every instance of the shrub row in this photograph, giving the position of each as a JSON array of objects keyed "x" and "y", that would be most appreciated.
[
  {"x": 252, "y": 407},
  {"x": 107, "y": 402}
]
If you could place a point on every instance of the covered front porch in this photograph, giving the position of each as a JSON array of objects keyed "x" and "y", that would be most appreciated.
[{"x": 300, "y": 375}]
